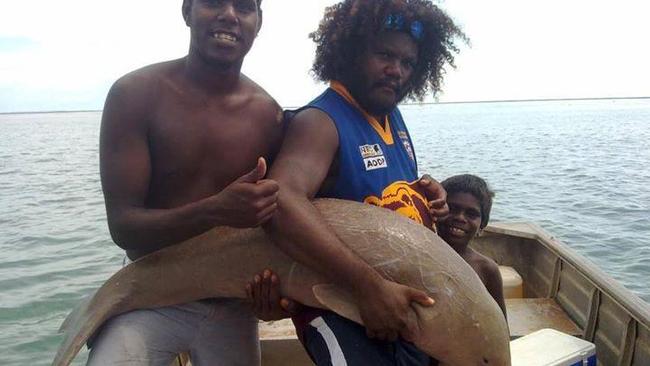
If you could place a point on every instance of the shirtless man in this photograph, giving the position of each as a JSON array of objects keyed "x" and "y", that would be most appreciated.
[{"x": 182, "y": 150}]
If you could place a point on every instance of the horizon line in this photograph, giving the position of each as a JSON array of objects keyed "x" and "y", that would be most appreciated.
[{"x": 402, "y": 104}]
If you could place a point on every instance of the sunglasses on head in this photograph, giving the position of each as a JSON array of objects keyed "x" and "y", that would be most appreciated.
[{"x": 396, "y": 22}]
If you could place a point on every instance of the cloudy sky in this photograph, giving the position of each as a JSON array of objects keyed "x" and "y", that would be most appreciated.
[{"x": 64, "y": 55}]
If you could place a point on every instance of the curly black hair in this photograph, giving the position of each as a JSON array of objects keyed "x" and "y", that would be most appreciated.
[
  {"x": 348, "y": 26},
  {"x": 477, "y": 187}
]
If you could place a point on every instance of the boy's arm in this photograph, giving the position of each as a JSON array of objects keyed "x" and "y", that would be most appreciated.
[
  {"x": 267, "y": 302},
  {"x": 494, "y": 284}
]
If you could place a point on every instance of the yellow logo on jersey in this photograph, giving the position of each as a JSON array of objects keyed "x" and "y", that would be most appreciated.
[{"x": 404, "y": 198}]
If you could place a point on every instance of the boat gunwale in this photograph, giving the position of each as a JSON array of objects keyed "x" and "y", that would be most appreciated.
[{"x": 636, "y": 307}]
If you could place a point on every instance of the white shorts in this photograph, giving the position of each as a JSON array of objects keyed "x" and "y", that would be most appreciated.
[{"x": 215, "y": 332}]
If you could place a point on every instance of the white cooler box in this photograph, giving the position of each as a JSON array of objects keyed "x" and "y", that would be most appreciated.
[{"x": 548, "y": 347}]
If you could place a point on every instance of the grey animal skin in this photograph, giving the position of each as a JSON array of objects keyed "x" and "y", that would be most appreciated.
[{"x": 465, "y": 326}]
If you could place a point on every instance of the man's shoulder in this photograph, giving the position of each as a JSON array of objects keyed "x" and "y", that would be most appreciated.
[
  {"x": 259, "y": 100},
  {"x": 148, "y": 77},
  {"x": 256, "y": 93},
  {"x": 322, "y": 108},
  {"x": 132, "y": 96},
  {"x": 397, "y": 113}
]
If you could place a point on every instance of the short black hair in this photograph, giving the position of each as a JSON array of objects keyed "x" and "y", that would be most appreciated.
[
  {"x": 348, "y": 27},
  {"x": 186, "y": 3},
  {"x": 477, "y": 187}
]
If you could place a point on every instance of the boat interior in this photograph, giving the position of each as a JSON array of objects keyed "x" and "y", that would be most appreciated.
[{"x": 547, "y": 286}]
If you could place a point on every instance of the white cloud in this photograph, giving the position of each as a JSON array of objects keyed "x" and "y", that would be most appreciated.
[
  {"x": 551, "y": 49},
  {"x": 80, "y": 45},
  {"x": 282, "y": 55},
  {"x": 520, "y": 49}
]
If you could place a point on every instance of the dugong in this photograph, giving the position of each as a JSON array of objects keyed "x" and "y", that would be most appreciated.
[{"x": 465, "y": 326}]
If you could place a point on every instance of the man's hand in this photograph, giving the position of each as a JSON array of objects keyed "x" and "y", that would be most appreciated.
[
  {"x": 436, "y": 195},
  {"x": 249, "y": 201},
  {"x": 264, "y": 293},
  {"x": 387, "y": 313}
]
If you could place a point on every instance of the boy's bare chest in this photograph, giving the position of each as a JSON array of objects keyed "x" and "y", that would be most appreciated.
[
  {"x": 209, "y": 147},
  {"x": 206, "y": 133}
]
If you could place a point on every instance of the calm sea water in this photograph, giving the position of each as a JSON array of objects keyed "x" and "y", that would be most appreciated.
[{"x": 580, "y": 169}]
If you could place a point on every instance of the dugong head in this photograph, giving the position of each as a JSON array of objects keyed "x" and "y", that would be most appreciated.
[{"x": 469, "y": 345}]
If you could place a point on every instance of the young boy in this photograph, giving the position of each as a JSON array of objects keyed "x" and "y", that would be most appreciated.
[{"x": 470, "y": 200}]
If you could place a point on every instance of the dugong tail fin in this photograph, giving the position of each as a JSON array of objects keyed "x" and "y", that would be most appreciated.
[
  {"x": 337, "y": 300},
  {"x": 75, "y": 314},
  {"x": 76, "y": 333},
  {"x": 83, "y": 321}
]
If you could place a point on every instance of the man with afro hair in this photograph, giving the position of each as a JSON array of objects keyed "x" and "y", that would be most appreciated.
[{"x": 351, "y": 143}]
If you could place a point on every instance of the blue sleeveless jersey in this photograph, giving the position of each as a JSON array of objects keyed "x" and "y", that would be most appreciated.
[{"x": 370, "y": 169}]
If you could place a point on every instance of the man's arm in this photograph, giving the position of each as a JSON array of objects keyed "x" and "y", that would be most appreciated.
[
  {"x": 298, "y": 228},
  {"x": 437, "y": 197},
  {"x": 125, "y": 165}
]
